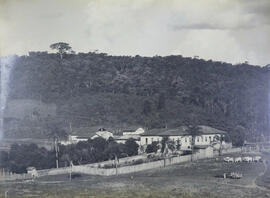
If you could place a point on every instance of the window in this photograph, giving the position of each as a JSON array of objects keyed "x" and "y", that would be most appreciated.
[
  {"x": 210, "y": 138},
  {"x": 206, "y": 139},
  {"x": 198, "y": 139},
  {"x": 185, "y": 139},
  {"x": 178, "y": 141},
  {"x": 146, "y": 140}
]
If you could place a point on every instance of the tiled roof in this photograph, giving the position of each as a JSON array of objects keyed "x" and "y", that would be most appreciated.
[
  {"x": 181, "y": 131},
  {"x": 211, "y": 130},
  {"x": 129, "y": 130},
  {"x": 126, "y": 137},
  {"x": 81, "y": 137}
]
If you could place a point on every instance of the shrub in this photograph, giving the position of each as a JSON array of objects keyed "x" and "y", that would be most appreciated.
[
  {"x": 187, "y": 152},
  {"x": 152, "y": 148},
  {"x": 139, "y": 161}
]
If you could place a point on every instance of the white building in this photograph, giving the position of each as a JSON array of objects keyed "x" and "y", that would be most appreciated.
[
  {"x": 74, "y": 139},
  {"x": 128, "y": 134},
  {"x": 124, "y": 138},
  {"x": 138, "y": 131},
  {"x": 103, "y": 133},
  {"x": 207, "y": 137}
]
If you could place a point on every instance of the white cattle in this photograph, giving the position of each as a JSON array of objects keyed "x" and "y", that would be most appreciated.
[
  {"x": 247, "y": 159},
  {"x": 257, "y": 159},
  {"x": 228, "y": 159},
  {"x": 237, "y": 159}
]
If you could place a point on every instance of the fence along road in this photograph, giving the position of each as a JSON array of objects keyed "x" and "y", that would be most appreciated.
[{"x": 93, "y": 169}]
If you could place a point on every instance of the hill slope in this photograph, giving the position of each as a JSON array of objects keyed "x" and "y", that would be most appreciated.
[{"x": 91, "y": 90}]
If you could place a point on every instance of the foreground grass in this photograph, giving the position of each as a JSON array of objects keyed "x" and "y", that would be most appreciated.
[
  {"x": 111, "y": 193},
  {"x": 264, "y": 180},
  {"x": 190, "y": 180}
]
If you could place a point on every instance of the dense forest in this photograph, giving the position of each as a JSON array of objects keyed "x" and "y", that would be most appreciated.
[
  {"x": 20, "y": 157},
  {"x": 96, "y": 89}
]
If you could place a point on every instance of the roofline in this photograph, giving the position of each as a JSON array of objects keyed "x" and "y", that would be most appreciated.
[
  {"x": 183, "y": 134},
  {"x": 126, "y": 139},
  {"x": 163, "y": 135}
]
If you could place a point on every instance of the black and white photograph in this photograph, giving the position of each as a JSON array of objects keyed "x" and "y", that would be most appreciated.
[{"x": 135, "y": 98}]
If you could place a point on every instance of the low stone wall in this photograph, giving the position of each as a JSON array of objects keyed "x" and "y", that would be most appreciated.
[
  {"x": 134, "y": 168},
  {"x": 53, "y": 171},
  {"x": 120, "y": 161},
  {"x": 140, "y": 167},
  {"x": 232, "y": 150},
  {"x": 94, "y": 170},
  {"x": 11, "y": 177}
]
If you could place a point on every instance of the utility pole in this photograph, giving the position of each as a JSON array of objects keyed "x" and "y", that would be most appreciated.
[
  {"x": 56, "y": 151},
  {"x": 116, "y": 163},
  {"x": 6, "y": 194},
  {"x": 70, "y": 127},
  {"x": 70, "y": 173}
]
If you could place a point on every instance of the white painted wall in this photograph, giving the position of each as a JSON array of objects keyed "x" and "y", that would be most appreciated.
[
  {"x": 185, "y": 141},
  {"x": 72, "y": 139},
  {"x": 104, "y": 134},
  {"x": 206, "y": 139},
  {"x": 146, "y": 140}
]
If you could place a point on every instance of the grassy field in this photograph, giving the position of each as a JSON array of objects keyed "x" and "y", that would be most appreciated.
[{"x": 188, "y": 180}]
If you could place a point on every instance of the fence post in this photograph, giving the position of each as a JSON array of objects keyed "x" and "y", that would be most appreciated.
[
  {"x": 70, "y": 173},
  {"x": 164, "y": 160},
  {"x": 6, "y": 194}
]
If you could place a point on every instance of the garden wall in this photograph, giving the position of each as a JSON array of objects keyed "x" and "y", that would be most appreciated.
[
  {"x": 53, "y": 171},
  {"x": 131, "y": 169},
  {"x": 232, "y": 150},
  {"x": 140, "y": 167},
  {"x": 6, "y": 176},
  {"x": 120, "y": 160},
  {"x": 92, "y": 169}
]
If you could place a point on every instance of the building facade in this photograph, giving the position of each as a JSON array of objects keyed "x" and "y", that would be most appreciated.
[{"x": 180, "y": 136}]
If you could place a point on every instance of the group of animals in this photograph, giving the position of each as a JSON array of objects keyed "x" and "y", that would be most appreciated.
[{"x": 243, "y": 159}]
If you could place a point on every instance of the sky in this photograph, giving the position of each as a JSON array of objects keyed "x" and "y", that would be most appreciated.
[{"x": 232, "y": 31}]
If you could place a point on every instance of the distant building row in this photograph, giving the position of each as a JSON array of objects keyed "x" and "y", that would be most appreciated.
[{"x": 180, "y": 136}]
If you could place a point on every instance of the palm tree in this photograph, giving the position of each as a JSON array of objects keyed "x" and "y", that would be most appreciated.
[
  {"x": 167, "y": 144},
  {"x": 171, "y": 145},
  {"x": 194, "y": 131},
  {"x": 218, "y": 140},
  {"x": 163, "y": 143}
]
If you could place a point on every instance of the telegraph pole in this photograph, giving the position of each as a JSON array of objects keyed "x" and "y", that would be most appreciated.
[
  {"x": 70, "y": 173},
  {"x": 56, "y": 151},
  {"x": 70, "y": 127},
  {"x": 116, "y": 164},
  {"x": 6, "y": 194}
]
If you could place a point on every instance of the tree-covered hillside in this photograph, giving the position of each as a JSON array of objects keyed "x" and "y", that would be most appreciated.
[{"x": 95, "y": 89}]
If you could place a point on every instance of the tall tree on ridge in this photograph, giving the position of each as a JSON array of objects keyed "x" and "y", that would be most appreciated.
[{"x": 61, "y": 47}]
